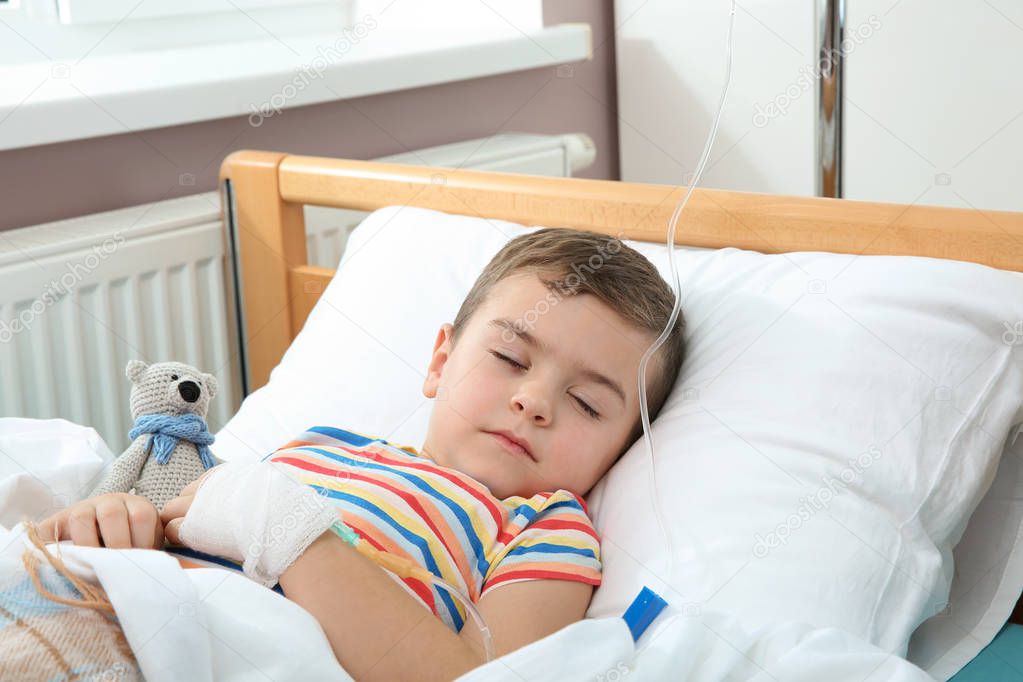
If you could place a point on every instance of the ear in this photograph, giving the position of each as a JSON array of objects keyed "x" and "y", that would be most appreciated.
[
  {"x": 134, "y": 370},
  {"x": 441, "y": 353},
  {"x": 211, "y": 384}
]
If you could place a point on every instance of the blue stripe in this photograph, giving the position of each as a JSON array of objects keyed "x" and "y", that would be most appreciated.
[
  {"x": 344, "y": 436},
  {"x": 530, "y": 514},
  {"x": 572, "y": 504},
  {"x": 551, "y": 548},
  {"x": 482, "y": 565},
  {"x": 416, "y": 540},
  {"x": 526, "y": 511}
]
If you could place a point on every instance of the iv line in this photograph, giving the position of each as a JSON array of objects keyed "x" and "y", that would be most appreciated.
[
  {"x": 406, "y": 568},
  {"x": 677, "y": 290}
]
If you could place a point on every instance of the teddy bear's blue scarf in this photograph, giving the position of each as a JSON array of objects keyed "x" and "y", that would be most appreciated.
[{"x": 168, "y": 429}]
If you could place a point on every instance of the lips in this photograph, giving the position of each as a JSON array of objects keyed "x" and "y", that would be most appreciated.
[{"x": 513, "y": 443}]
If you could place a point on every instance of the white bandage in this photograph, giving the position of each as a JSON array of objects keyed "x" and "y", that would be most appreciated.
[{"x": 254, "y": 513}]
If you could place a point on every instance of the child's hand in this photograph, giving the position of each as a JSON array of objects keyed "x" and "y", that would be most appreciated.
[
  {"x": 251, "y": 513},
  {"x": 115, "y": 520},
  {"x": 173, "y": 513}
]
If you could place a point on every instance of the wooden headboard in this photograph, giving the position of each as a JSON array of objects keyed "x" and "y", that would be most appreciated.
[{"x": 274, "y": 288}]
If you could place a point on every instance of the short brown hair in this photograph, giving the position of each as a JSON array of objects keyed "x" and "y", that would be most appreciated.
[{"x": 624, "y": 279}]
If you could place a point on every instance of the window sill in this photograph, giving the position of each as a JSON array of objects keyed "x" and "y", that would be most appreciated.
[{"x": 47, "y": 102}]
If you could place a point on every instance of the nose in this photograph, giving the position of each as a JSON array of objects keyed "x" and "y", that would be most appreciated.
[
  {"x": 529, "y": 401},
  {"x": 189, "y": 391}
]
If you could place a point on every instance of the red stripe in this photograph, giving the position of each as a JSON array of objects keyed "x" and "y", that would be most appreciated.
[
  {"x": 533, "y": 574},
  {"x": 485, "y": 500},
  {"x": 408, "y": 497},
  {"x": 557, "y": 524},
  {"x": 582, "y": 503},
  {"x": 368, "y": 538},
  {"x": 423, "y": 592},
  {"x": 445, "y": 473}
]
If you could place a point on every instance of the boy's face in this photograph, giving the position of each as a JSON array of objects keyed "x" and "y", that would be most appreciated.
[{"x": 477, "y": 392}]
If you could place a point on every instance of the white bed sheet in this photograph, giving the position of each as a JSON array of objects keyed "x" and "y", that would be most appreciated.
[{"x": 235, "y": 629}]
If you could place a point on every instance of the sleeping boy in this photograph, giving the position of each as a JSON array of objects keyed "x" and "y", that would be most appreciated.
[{"x": 536, "y": 396}]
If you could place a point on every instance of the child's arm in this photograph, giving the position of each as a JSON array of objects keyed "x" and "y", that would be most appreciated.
[{"x": 378, "y": 632}]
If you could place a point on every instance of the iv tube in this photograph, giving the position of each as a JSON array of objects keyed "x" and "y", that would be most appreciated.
[
  {"x": 405, "y": 568},
  {"x": 676, "y": 288}
]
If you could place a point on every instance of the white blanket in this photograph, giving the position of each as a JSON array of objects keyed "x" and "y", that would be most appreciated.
[{"x": 234, "y": 629}]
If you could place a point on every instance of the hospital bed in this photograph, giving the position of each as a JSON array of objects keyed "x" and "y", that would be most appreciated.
[
  {"x": 274, "y": 293},
  {"x": 264, "y": 193}
]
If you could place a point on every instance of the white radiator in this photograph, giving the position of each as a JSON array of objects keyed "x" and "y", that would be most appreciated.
[{"x": 79, "y": 298}]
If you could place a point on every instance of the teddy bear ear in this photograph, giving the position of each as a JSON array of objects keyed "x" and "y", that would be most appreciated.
[
  {"x": 135, "y": 369},
  {"x": 211, "y": 384}
]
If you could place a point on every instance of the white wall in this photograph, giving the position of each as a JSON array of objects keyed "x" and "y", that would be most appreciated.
[
  {"x": 933, "y": 99},
  {"x": 671, "y": 68},
  {"x": 934, "y": 104}
]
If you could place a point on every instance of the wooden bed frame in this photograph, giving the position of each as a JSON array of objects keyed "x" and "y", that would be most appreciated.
[
  {"x": 274, "y": 288},
  {"x": 263, "y": 194}
]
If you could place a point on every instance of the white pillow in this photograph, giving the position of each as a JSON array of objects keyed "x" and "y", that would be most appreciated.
[
  {"x": 988, "y": 577},
  {"x": 807, "y": 371},
  {"x": 797, "y": 363}
]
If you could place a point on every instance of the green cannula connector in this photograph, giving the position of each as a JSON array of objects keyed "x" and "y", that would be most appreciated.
[{"x": 345, "y": 532}]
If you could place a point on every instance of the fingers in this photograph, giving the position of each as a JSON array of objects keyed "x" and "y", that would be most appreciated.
[
  {"x": 171, "y": 530},
  {"x": 114, "y": 520},
  {"x": 173, "y": 514},
  {"x": 144, "y": 521},
  {"x": 114, "y": 526},
  {"x": 49, "y": 528},
  {"x": 175, "y": 508},
  {"x": 81, "y": 526}
]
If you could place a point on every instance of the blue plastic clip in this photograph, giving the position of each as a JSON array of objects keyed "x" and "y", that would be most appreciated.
[{"x": 644, "y": 608}]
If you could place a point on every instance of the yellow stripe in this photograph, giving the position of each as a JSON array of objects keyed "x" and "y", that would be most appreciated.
[
  {"x": 455, "y": 493},
  {"x": 568, "y": 541},
  {"x": 410, "y": 523},
  {"x": 553, "y": 539}
]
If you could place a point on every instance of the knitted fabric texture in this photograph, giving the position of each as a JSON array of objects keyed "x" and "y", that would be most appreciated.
[
  {"x": 165, "y": 430},
  {"x": 56, "y": 626},
  {"x": 170, "y": 439}
]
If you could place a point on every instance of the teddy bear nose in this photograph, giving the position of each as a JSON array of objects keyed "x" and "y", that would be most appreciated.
[{"x": 189, "y": 391}]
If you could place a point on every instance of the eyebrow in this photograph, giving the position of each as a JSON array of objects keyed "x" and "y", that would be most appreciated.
[{"x": 532, "y": 341}]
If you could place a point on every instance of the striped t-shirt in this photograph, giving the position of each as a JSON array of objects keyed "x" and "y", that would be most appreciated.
[{"x": 403, "y": 503}]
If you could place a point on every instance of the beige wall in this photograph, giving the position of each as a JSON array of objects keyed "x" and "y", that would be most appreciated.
[{"x": 50, "y": 182}]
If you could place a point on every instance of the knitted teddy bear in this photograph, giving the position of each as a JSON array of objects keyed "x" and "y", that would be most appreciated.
[{"x": 170, "y": 441}]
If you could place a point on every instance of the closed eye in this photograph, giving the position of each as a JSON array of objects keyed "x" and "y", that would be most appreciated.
[
  {"x": 589, "y": 410},
  {"x": 507, "y": 359}
]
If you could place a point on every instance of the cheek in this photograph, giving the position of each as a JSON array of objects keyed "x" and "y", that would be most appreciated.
[
  {"x": 584, "y": 449},
  {"x": 478, "y": 391},
  {"x": 481, "y": 379}
]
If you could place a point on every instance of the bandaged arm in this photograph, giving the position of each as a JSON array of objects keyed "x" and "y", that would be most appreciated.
[
  {"x": 377, "y": 631},
  {"x": 255, "y": 514}
]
